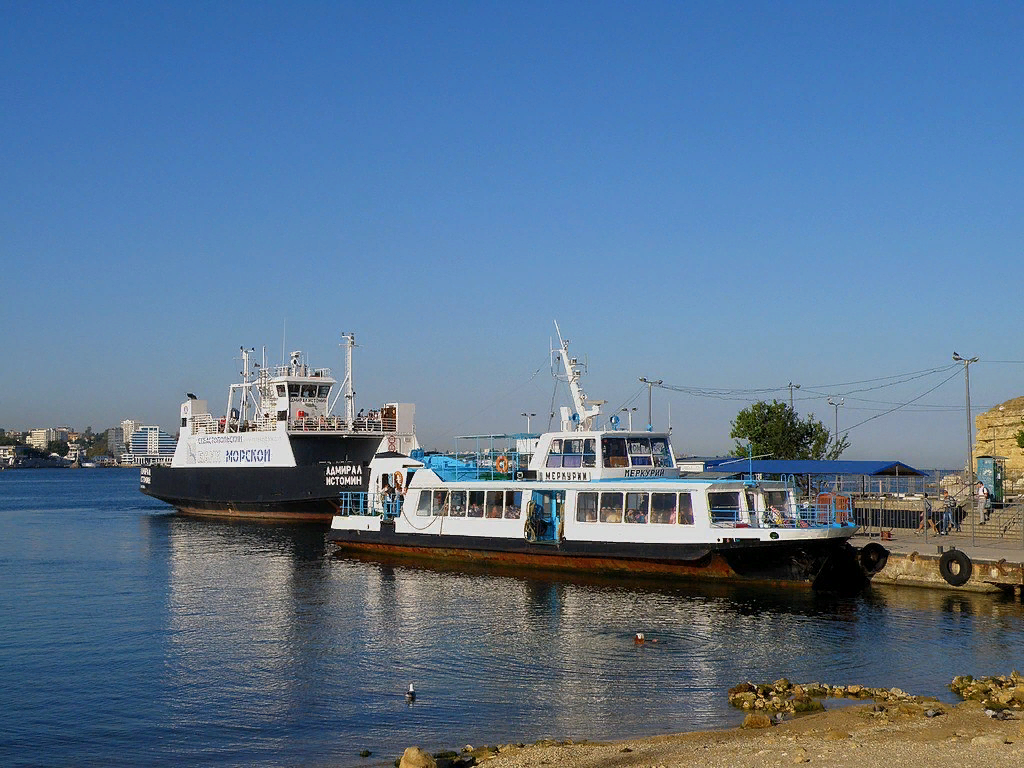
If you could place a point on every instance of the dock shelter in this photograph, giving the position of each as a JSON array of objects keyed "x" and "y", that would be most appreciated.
[{"x": 861, "y": 477}]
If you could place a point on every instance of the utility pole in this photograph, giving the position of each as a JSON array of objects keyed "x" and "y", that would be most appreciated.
[
  {"x": 970, "y": 443},
  {"x": 792, "y": 386},
  {"x": 650, "y": 400},
  {"x": 528, "y": 416}
]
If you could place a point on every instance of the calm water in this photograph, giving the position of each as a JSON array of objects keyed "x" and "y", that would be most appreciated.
[{"x": 131, "y": 635}]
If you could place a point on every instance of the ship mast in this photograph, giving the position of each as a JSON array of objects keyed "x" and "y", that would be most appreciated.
[
  {"x": 584, "y": 416},
  {"x": 350, "y": 393}
]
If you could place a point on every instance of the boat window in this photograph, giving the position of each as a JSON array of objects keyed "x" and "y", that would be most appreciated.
[
  {"x": 476, "y": 504},
  {"x": 308, "y": 390},
  {"x": 660, "y": 452},
  {"x": 323, "y": 390},
  {"x": 281, "y": 390},
  {"x": 724, "y": 506},
  {"x": 663, "y": 507},
  {"x": 614, "y": 451},
  {"x": 423, "y": 506},
  {"x": 555, "y": 454},
  {"x": 513, "y": 504},
  {"x": 572, "y": 454},
  {"x": 439, "y": 507},
  {"x": 685, "y": 509},
  {"x": 636, "y": 507},
  {"x": 611, "y": 507},
  {"x": 458, "y": 507},
  {"x": 293, "y": 390},
  {"x": 640, "y": 451},
  {"x": 493, "y": 504},
  {"x": 589, "y": 452},
  {"x": 586, "y": 507}
]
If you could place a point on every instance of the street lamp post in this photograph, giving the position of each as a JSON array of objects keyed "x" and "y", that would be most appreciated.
[
  {"x": 528, "y": 416},
  {"x": 792, "y": 386},
  {"x": 836, "y": 406},
  {"x": 650, "y": 400}
]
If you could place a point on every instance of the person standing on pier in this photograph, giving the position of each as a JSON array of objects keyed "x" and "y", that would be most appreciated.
[
  {"x": 948, "y": 513},
  {"x": 981, "y": 503}
]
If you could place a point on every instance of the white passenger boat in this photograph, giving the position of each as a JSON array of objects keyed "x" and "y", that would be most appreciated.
[{"x": 596, "y": 499}]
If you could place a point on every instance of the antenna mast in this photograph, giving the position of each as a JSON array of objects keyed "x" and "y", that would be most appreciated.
[{"x": 583, "y": 418}]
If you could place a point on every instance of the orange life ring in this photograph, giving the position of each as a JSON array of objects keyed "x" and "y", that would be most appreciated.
[
  {"x": 501, "y": 464},
  {"x": 397, "y": 477}
]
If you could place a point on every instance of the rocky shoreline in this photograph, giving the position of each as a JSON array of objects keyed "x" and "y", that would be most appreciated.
[{"x": 891, "y": 728}]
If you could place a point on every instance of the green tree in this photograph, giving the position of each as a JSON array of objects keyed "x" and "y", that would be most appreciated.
[
  {"x": 59, "y": 447},
  {"x": 773, "y": 429}
]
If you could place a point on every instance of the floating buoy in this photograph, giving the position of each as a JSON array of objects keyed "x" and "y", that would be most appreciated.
[{"x": 410, "y": 695}]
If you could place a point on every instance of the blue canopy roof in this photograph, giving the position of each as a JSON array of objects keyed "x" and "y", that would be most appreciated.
[{"x": 808, "y": 467}]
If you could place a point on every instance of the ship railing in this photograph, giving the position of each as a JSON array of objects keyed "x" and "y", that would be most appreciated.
[
  {"x": 385, "y": 506},
  {"x": 337, "y": 424},
  {"x": 204, "y": 424},
  {"x": 805, "y": 515}
]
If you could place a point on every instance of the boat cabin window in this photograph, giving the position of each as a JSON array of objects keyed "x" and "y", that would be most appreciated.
[
  {"x": 611, "y": 507},
  {"x": 282, "y": 390},
  {"x": 308, "y": 391},
  {"x": 513, "y": 504},
  {"x": 586, "y": 507},
  {"x": 323, "y": 390},
  {"x": 660, "y": 453},
  {"x": 555, "y": 453},
  {"x": 572, "y": 453},
  {"x": 636, "y": 507},
  {"x": 476, "y": 504},
  {"x": 494, "y": 504},
  {"x": 423, "y": 506},
  {"x": 613, "y": 449},
  {"x": 639, "y": 451},
  {"x": 724, "y": 506},
  {"x": 663, "y": 508},
  {"x": 439, "y": 504},
  {"x": 293, "y": 390},
  {"x": 685, "y": 509},
  {"x": 458, "y": 505}
]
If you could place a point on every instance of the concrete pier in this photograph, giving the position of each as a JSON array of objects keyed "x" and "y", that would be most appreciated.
[{"x": 916, "y": 559}]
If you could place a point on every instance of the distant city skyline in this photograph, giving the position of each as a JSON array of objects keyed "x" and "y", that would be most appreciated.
[{"x": 726, "y": 197}]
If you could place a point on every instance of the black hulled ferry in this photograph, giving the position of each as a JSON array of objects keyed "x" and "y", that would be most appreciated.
[{"x": 279, "y": 451}]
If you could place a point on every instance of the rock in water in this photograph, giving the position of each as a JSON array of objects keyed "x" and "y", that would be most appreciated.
[{"x": 414, "y": 757}]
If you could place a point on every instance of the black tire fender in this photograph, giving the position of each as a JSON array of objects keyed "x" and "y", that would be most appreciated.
[
  {"x": 962, "y": 573},
  {"x": 873, "y": 557}
]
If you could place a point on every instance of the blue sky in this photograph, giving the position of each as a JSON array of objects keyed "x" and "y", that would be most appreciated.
[{"x": 719, "y": 195}]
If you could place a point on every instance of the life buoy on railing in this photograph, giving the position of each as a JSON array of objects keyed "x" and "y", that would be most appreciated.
[
  {"x": 392, "y": 443},
  {"x": 501, "y": 464},
  {"x": 397, "y": 477}
]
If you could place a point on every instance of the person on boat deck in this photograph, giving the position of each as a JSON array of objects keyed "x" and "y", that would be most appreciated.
[
  {"x": 494, "y": 511},
  {"x": 475, "y": 510}
]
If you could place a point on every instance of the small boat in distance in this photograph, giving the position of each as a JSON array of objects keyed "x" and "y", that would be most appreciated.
[
  {"x": 599, "y": 499},
  {"x": 278, "y": 451}
]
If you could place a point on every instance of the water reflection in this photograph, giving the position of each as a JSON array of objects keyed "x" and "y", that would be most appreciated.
[{"x": 272, "y": 636}]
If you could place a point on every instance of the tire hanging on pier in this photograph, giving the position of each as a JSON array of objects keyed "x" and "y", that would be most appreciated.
[
  {"x": 873, "y": 558},
  {"x": 961, "y": 574}
]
